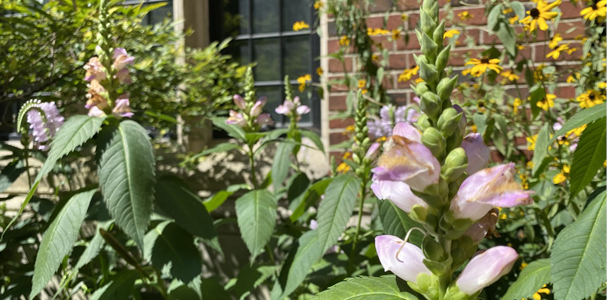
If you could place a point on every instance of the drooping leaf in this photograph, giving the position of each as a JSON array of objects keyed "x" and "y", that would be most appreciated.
[
  {"x": 531, "y": 279},
  {"x": 172, "y": 250},
  {"x": 223, "y": 147},
  {"x": 335, "y": 209},
  {"x": 312, "y": 196},
  {"x": 494, "y": 16},
  {"x": 256, "y": 214},
  {"x": 59, "y": 239},
  {"x": 175, "y": 199},
  {"x": 368, "y": 288},
  {"x": 126, "y": 177},
  {"x": 507, "y": 37},
  {"x": 92, "y": 250},
  {"x": 582, "y": 118},
  {"x": 541, "y": 149},
  {"x": 396, "y": 222},
  {"x": 578, "y": 256},
  {"x": 589, "y": 156},
  {"x": 281, "y": 164},
  {"x": 119, "y": 288},
  {"x": 301, "y": 259}
]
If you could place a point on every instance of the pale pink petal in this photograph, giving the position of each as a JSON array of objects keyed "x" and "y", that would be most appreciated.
[
  {"x": 409, "y": 262},
  {"x": 486, "y": 268}
]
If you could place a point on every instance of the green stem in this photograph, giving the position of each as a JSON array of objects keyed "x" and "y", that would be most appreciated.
[
  {"x": 444, "y": 280},
  {"x": 270, "y": 254},
  {"x": 252, "y": 163},
  {"x": 363, "y": 195}
]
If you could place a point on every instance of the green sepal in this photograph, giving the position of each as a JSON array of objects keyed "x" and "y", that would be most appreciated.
[
  {"x": 438, "y": 34},
  {"x": 454, "y": 228},
  {"x": 432, "y": 249},
  {"x": 434, "y": 140},
  {"x": 418, "y": 213},
  {"x": 430, "y": 196},
  {"x": 429, "y": 47},
  {"x": 455, "y": 164},
  {"x": 453, "y": 293},
  {"x": 430, "y": 103},
  {"x": 427, "y": 71},
  {"x": 427, "y": 285},
  {"x": 445, "y": 87},
  {"x": 420, "y": 88},
  {"x": 455, "y": 184},
  {"x": 438, "y": 268},
  {"x": 448, "y": 122},
  {"x": 427, "y": 23},
  {"x": 462, "y": 249},
  {"x": 455, "y": 140},
  {"x": 422, "y": 122}
]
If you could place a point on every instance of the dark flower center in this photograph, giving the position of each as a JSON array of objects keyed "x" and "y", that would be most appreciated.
[
  {"x": 484, "y": 60},
  {"x": 563, "y": 138},
  {"x": 481, "y": 104},
  {"x": 595, "y": 7},
  {"x": 535, "y": 13},
  {"x": 591, "y": 97}
]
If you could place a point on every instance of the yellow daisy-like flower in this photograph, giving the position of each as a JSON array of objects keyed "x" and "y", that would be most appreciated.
[
  {"x": 543, "y": 290},
  {"x": 507, "y": 11},
  {"x": 344, "y": 40},
  {"x": 300, "y": 25},
  {"x": 556, "y": 53},
  {"x": 407, "y": 74},
  {"x": 465, "y": 15},
  {"x": 555, "y": 41},
  {"x": 303, "y": 80},
  {"x": 396, "y": 34},
  {"x": 377, "y": 31},
  {"x": 578, "y": 131},
  {"x": 450, "y": 33},
  {"x": 537, "y": 16},
  {"x": 513, "y": 19},
  {"x": 347, "y": 155},
  {"x": 596, "y": 10},
  {"x": 573, "y": 77},
  {"x": 361, "y": 85},
  {"x": 480, "y": 66},
  {"x": 590, "y": 98},
  {"x": 602, "y": 85},
  {"x": 562, "y": 176},
  {"x": 318, "y": 5},
  {"x": 404, "y": 17},
  {"x": 547, "y": 102},
  {"x": 381, "y": 139},
  {"x": 319, "y": 71},
  {"x": 418, "y": 80},
  {"x": 516, "y": 104},
  {"x": 509, "y": 75},
  {"x": 523, "y": 265},
  {"x": 531, "y": 142},
  {"x": 343, "y": 168}
]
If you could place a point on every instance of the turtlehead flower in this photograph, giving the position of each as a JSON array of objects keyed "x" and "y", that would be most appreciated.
[
  {"x": 389, "y": 117},
  {"x": 484, "y": 227},
  {"x": 477, "y": 152},
  {"x": 264, "y": 120},
  {"x": 95, "y": 96},
  {"x": 485, "y": 269},
  {"x": 239, "y": 101},
  {"x": 236, "y": 118},
  {"x": 397, "y": 192},
  {"x": 44, "y": 128},
  {"x": 94, "y": 70},
  {"x": 121, "y": 59},
  {"x": 258, "y": 107},
  {"x": 483, "y": 190},
  {"x": 407, "y": 160},
  {"x": 124, "y": 76},
  {"x": 96, "y": 112},
  {"x": 596, "y": 10},
  {"x": 293, "y": 109},
  {"x": 122, "y": 107},
  {"x": 373, "y": 151},
  {"x": 538, "y": 16},
  {"x": 405, "y": 261}
]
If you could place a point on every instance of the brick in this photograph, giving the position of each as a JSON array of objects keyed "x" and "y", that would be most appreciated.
[
  {"x": 478, "y": 16},
  {"x": 398, "y": 61},
  {"x": 337, "y": 102},
  {"x": 411, "y": 44},
  {"x": 566, "y": 92},
  {"x": 395, "y": 22},
  {"x": 474, "y": 34},
  {"x": 375, "y": 22},
  {"x": 570, "y": 10},
  {"x": 381, "y": 6},
  {"x": 404, "y": 5},
  {"x": 337, "y": 137},
  {"x": 336, "y": 66},
  {"x": 339, "y": 123},
  {"x": 571, "y": 30},
  {"x": 458, "y": 56},
  {"x": 384, "y": 41},
  {"x": 496, "y": 156}
]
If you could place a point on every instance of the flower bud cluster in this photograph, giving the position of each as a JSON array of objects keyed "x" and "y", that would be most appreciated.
[
  {"x": 249, "y": 115},
  {"x": 388, "y": 117},
  {"x": 44, "y": 120}
]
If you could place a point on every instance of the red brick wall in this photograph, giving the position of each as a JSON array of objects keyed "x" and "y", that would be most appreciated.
[{"x": 401, "y": 54}]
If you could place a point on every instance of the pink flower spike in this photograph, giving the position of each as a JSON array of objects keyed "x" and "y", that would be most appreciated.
[
  {"x": 397, "y": 192},
  {"x": 123, "y": 76},
  {"x": 302, "y": 110},
  {"x": 405, "y": 261},
  {"x": 258, "y": 107},
  {"x": 94, "y": 70},
  {"x": 285, "y": 108},
  {"x": 486, "y": 268},
  {"x": 122, "y": 59},
  {"x": 486, "y": 189},
  {"x": 236, "y": 119},
  {"x": 123, "y": 107},
  {"x": 239, "y": 101},
  {"x": 478, "y": 153}
]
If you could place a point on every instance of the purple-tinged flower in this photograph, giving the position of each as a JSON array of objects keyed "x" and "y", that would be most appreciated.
[
  {"x": 236, "y": 119},
  {"x": 484, "y": 226},
  {"x": 264, "y": 120},
  {"x": 397, "y": 192},
  {"x": 486, "y": 189},
  {"x": 95, "y": 96},
  {"x": 94, "y": 70},
  {"x": 389, "y": 116},
  {"x": 477, "y": 152},
  {"x": 416, "y": 100},
  {"x": 373, "y": 151},
  {"x": 407, "y": 130},
  {"x": 313, "y": 224},
  {"x": 121, "y": 59},
  {"x": 463, "y": 122},
  {"x": 485, "y": 269},
  {"x": 558, "y": 124},
  {"x": 43, "y": 130},
  {"x": 123, "y": 107},
  {"x": 293, "y": 109},
  {"x": 124, "y": 76},
  {"x": 96, "y": 112},
  {"x": 405, "y": 261},
  {"x": 258, "y": 107},
  {"x": 240, "y": 103}
]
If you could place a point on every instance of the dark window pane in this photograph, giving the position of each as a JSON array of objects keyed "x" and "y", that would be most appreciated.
[
  {"x": 296, "y": 60},
  {"x": 237, "y": 17},
  {"x": 266, "y": 54},
  {"x": 274, "y": 99},
  {"x": 295, "y": 11},
  {"x": 265, "y": 16},
  {"x": 240, "y": 51},
  {"x": 158, "y": 15}
]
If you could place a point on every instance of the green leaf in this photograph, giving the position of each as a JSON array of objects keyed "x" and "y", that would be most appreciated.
[
  {"x": 578, "y": 256},
  {"x": 92, "y": 250},
  {"x": 582, "y": 118},
  {"x": 59, "y": 239},
  {"x": 493, "y": 17},
  {"x": 396, "y": 222},
  {"x": 296, "y": 189},
  {"x": 315, "y": 138},
  {"x": 217, "y": 200},
  {"x": 256, "y": 214},
  {"x": 300, "y": 261},
  {"x": 541, "y": 148},
  {"x": 368, "y": 288},
  {"x": 335, "y": 209},
  {"x": 312, "y": 196},
  {"x": 172, "y": 250},
  {"x": 536, "y": 95},
  {"x": 249, "y": 278},
  {"x": 74, "y": 132},
  {"x": 588, "y": 157},
  {"x": 119, "y": 288},
  {"x": 531, "y": 279},
  {"x": 232, "y": 130},
  {"x": 281, "y": 164},
  {"x": 508, "y": 37},
  {"x": 126, "y": 177},
  {"x": 175, "y": 199},
  {"x": 518, "y": 9},
  {"x": 10, "y": 173},
  {"x": 223, "y": 147}
]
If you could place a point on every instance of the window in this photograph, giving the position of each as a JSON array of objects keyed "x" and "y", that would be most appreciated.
[
  {"x": 262, "y": 32},
  {"x": 157, "y": 15}
]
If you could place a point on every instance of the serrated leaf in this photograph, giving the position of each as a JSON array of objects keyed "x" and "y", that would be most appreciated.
[
  {"x": 126, "y": 177},
  {"x": 588, "y": 157},
  {"x": 172, "y": 250},
  {"x": 256, "y": 214},
  {"x": 335, "y": 209},
  {"x": 581, "y": 118},
  {"x": 312, "y": 195},
  {"x": 578, "y": 256},
  {"x": 175, "y": 199},
  {"x": 281, "y": 164},
  {"x": 368, "y": 288},
  {"x": 396, "y": 222},
  {"x": 232, "y": 130},
  {"x": 531, "y": 279},
  {"x": 119, "y": 288},
  {"x": 301, "y": 259},
  {"x": 92, "y": 250},
  {"x": 59, "y": 239},
  {"x": 541, "y": 148}
]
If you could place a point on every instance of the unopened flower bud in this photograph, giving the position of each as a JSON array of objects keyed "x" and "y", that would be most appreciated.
[
  {"x": 427, "y": 23},
  {"x": 258, "y": 107},
  {"x": 427, "y": 71},
  {"x": 445, "y": 87},
  {"x": 405, "y": 261},
  {"x": 430, "y": 103},
  {"x": 373, "y": 151},
  {"x": 443, "y": 58},
  {"x": 420, "y": 88},
  {"x": 455, "y": 164},
  {"x": 448, "y": 121},
  {"x": 239, "y": 101},
  {"x": 438, "y": 33},
  {"x": 478, "y": 153},
  {"x": 423, "y": 122},
  {"x": 485, "y": 269},
  {"x": 434, "y": 140},
  {"x": 428, "y": 46}
]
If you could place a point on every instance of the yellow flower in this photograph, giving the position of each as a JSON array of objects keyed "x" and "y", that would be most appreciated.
[
  {"x": 507, "y": 11},
  {"x": 361, "y": 85},
  {"x": 375, "y": 57},
  {"x": 590, "y": 98},
  {"x": 596, "y": 10},
  {"x": 465, "y": 15},
  {"x": 347, "y": 154},
  {"x": 555, "y": 41},
  {"x": 404, "y": 17},
  {"x": 517, "y": 102},
  {"x": 343, "y": 168},
  {"x": 319, "y": 71},
  {"x": 510, "y": 76},
  {"x": 573, "y": 77},
  {"x": 562, "y": 176},
  {"x": 524, "y": 181},
  {"x": 602, "y": 85},
  {"x": 520, "y": 47},
  {"x": 473, "y": 128},
  {"x": 395, "y": 34},
  {"x": 300, "y": 25},
  {"x": 523, "y": 265},
  {"x": 513, "y": 19},
  {"x": 344, "y": 40},
  {"x": 418, "y": 80},
  {"x": 407, "y": 74},
  {"x": 480, "y": 66},
  {"x": 537, "y": 16},
  {"x": 547, "y": 102},
  {"x": 450, "y": 33},
  {"x": 381, "y": 139},
  {"x": 557, "y": 52},
  {"x": 578, "y": 131},
  {"x": 543, "y": 290},
  {"x": 531, "y": 143},
  {"x": 318, "y": 5},
  {"x": 302, "y": 80},
  {"x": 562, "y": 140},
  {"x": 377, "y": 31}
]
